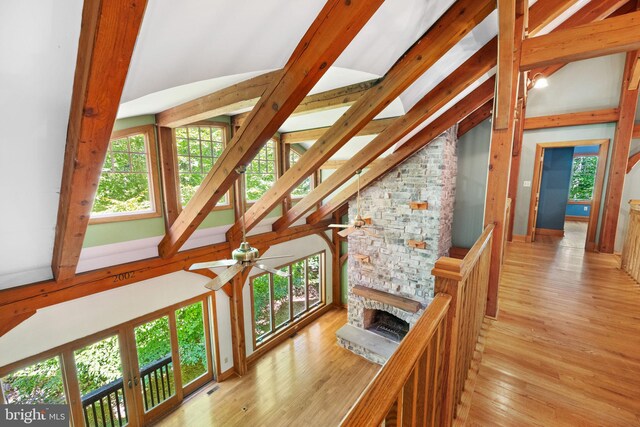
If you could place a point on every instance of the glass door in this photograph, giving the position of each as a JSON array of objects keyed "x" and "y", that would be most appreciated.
[
  {"x": 153, "y": 367},
  {"x": 194, "y": 346},
  {"x": 104, "y": 384}
]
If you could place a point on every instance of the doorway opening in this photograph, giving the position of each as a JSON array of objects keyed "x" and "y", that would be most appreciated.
[{"x": 567, "y": 186}]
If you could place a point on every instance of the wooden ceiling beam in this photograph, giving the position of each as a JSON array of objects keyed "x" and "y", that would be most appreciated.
[
  {"x": 591, "y": 12},
  {"x": 633, "y": 160},
  {"x": 606, "y": 115},
  {"x": 614, "y": 35},
  {"x": 339, "y": 97},
  {"x": 459, "y": 20},
  {"x": 335, "y": 164},
  {"x": 544, "y": 13},
  {"x": 330, "y": 33},
  {"x": 107, "y": 37},
  {"x": 374, "y": 127},
  {"x": 21, "y": 300},
  {"x": 455, "y": 114},
  {"x": 475, "y": 118},
  {"x": 636, "y": 130},
  {"x": 235, "y": 97},
  {"x": 503, "y": 100},
  {"x": 455, "y": 83}
]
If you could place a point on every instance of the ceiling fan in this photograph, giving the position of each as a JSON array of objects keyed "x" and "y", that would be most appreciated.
[
  {"x": 243, "y": 257},
  {"x": 359, "y": 223}
]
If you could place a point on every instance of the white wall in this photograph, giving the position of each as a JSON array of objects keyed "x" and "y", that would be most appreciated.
[
  {"x": 62, "y": 323},
  {"x": 631, "y": 191}
]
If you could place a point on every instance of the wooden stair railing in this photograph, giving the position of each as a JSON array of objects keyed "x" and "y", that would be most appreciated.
[
  {"x": 466, "y": 281},
  {"x": 631, "y": 249},
  {"x": 421, "y": 384}
]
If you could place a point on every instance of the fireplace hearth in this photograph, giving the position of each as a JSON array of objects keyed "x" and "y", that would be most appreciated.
[{"x": 386, "y": 324}]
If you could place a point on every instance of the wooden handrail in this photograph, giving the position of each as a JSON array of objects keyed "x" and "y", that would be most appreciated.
[
  {"x": 377, "y": 400},
  {"x": 631, "y": 250},
  {"x": 459, "y": 269}
]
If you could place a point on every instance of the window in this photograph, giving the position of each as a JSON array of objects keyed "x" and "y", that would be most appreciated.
[
  {"x": 583, "y": 177},
  {"x": 305, "y": 186},
  {"x": 37, "y": 383},
  {"x": 278, "y": 301},
  {"x": 197, "y": 149},
  {"x": 261, "y": 172},
  {"x": 128, "y": 187}
]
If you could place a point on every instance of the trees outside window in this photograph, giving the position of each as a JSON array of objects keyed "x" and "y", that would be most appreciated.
[
  {"x": 197, "y": 150},
  {"x": 583, "y": 177},
  {"x": 305, "y": 186},
  {"x": 278, "y": 301},
  {"x": 128, "y": 182},
  {"x": 262, "y": 172}
]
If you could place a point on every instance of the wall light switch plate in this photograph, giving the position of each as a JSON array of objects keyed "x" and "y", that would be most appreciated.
[
  {"x": 526, "y": 183},
  {"x": 586, "y": 208}
]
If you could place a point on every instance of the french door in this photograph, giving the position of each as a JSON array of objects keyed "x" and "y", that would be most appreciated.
[{"x": 131, "y": 376}]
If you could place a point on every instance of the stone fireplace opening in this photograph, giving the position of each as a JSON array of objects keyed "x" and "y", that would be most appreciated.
[{"x": 385, "y": 324}]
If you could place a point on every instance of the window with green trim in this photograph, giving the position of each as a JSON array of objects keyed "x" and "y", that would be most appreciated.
[
  {"x": 198, "y": 147},
  {"x": 278, "y": 302}
]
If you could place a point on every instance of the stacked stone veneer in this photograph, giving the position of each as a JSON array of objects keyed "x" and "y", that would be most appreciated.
[{"x": 395, "y": 267}]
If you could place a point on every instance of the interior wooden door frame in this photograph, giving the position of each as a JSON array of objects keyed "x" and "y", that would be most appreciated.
[{"x": 603, "y": 153}]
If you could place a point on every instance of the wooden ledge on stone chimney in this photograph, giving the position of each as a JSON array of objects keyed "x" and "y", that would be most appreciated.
[
  {"x": 417, "y": 244},
  {"x": 402, "y": 303},
  {"x": 419, "y": 206},
  {"x": 365, "y": 259}
]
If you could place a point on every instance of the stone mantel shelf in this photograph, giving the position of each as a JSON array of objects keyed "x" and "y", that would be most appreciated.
[{"x": 387, "y": 298}]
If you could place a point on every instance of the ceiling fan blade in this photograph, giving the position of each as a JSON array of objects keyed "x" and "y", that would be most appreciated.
[
  {"x": 339, "y": 225},
  {"x": 346, "y": 232},
  {"x": 213, "y": 264},
  {"x": 274, "y": 257},
  {"x": 224, "y": 277},
  {"x": 272, "y": 270}
]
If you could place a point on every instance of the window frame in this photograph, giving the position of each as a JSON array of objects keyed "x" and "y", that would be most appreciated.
[
  {"x": 294, "y": 320},
  {"x": 149, "y": 133},
  {"x": 277, "y": 168},
  {"x": 584, "y": 201},
  {"x": 311, "y": 177},
  {"x": 226, "y": 131}
]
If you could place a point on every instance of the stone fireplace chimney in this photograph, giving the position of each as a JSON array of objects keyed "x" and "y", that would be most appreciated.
[{"x": 389, "y": 275}]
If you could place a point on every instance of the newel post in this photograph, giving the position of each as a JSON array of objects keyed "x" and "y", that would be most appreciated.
[{"x": 452, "y": 288}]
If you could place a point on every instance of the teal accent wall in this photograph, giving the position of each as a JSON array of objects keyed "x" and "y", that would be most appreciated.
[{"x": 554, "y": 188}]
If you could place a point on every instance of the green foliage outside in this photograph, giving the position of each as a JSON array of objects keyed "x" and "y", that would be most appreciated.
[
  {"x": 261, "y": 172},
  {"x": 124, "y": 183},
  {"x": 583, "y": 177},
  {"x": 99, "y": 363},
  {"x": 281, "y": 303},
  {"x": 305, "y": 186}
]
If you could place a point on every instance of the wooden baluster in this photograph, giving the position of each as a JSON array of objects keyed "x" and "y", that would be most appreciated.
[{"x": 409, "y": 397}]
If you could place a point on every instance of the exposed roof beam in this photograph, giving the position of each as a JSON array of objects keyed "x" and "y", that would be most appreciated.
[
  {"x": 459, "y": 20},
  {"x": 635, "y": 76},
  {"x": 240, "y": 95},
  {"x": 591, "y": 12},
  {"x": 541, "y": 15},
  {"x": 503, "y": 102},
  {"x": 458, "y": 112},
  {"x": 340, "y": 97},
  {"x": 614, "y": 35},
  {"x": 633, "y": 160},
  {"x": 107, "y": 37},
  {"x": 336, "y": 25},
  {"x": 606, "y": 115},
  {"x": 374, "y": 127},
  {"x": 636, "y": 130},
  {"x": 335, "y": 164},
  {"x": 463, "y": 77},
  {"x": 21, "y": 300},
  {"x": 475, "y": 118}
]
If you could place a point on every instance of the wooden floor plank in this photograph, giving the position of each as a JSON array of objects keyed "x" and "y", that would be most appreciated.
[
  {"x": 565, "y": 350},
  {"x": 308, "y": 380}
]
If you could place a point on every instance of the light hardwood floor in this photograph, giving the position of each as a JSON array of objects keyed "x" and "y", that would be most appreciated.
[
  {"x": 306, "y": 381},
  {"x": 575, "y": 235},
  {"x": 565, "y": 350}
]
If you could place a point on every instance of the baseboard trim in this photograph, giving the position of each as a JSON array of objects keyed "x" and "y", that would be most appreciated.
[
  {"x": 521, "y": 238},
  {"x": 576, "y": 218},
  {"x": 549, "y": 232},
  {"x": 223, "y": 376}
]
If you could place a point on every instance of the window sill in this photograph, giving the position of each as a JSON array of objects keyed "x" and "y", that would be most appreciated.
[{"x": 123, "y": 217}]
